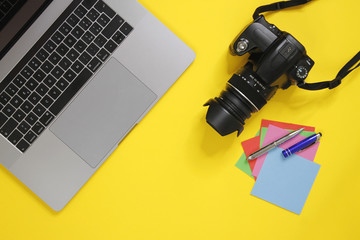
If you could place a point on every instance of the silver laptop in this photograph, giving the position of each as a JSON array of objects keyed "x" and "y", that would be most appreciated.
[{"x": 75, "y": 78}]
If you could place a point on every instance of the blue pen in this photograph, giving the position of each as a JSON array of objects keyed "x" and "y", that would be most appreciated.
[{"x": 297, "y": 147}]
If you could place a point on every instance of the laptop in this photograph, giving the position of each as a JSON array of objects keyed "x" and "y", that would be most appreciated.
[{"x": 75, "y": 78}]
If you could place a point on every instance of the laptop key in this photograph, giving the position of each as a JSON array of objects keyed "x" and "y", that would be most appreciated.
[
  {"x": 16, "y": 101},
  {"x": 24, "y": 93},
  {"x": 26, "y": 107},
  {"x": 65, "y": 29},
  {"x": 50, "y": 46},
  {"x": 42, "y": 55},
  {"x": 62, "y": 84},
  {"x": 19, "y": 81},
  {"x": 94, "y": 64},
  {"x": 31, "y": 118},
  {"x": 38, "y": 128},
  {"x": 111, "y": 46},
  {"x": 62, "y": 49},
  {"x": 23, "y": 127},
  {"x": 30, "y": 137},
  {"x": 8, "y": 127},
  {"x": 69, "y": 75},
  {"x": 103, "y": 55},
  {"x": 57, "y": 72},
  {"x": 8, "y": 110},
  {"x": 54, "y": 93},
  {"x": 27, "y": 72},
  {"x": 77, "y": 66},
  {"x": 92, "y": 49},
  {"x": 4, "y": 98},
  {"x": 70, "y": 41},
  {"x": 23, "y": 145},
  {"x": 42, "y": 89},
  {"x": 80, "y": 46},
  {"x": 100, "y": 40},
  {"x": 103, "y": 20},
  {"x": 39, "y": 75},
  {"x": 54, "y": 58},
  {"x": 11, "y": 89},
  {"x": 72, "y": 20},
  {"x": 49, "y": 81},
  {"x": 88, "y": 3},
  {"x": 88, "y": 37},
  {"x": 85, "y": 58},
  {"x": 47, "y": 66},
  {"x": 47, "y": 101},
  {"x": 57, "y": 37},
  {"x": 118, "y": 37},
  {"x": 95, "y": 29},
  {"x": 31, "y": 84},
  {"x": 65, "y": 63},
  {"x": 15, "y": 137},
  {"x": 114, "y": 25},
  {"x": 46, "y": 119},
  {"x": 39, "y": 110},
  {"x": 126, "y": 28},
  {"x": 34, "y": 63},
  {"x": 103, "y": 7},
  {"x": 80, "y": 11},
  {"x": 72, "y": 55},
  {"x": 34, "y": 98},
  {"x": 19, "y": 115},
  {"x": 85, "y": 23},
  {"x": 77, "y": 32},
  {"x": 93, "y": 14}
]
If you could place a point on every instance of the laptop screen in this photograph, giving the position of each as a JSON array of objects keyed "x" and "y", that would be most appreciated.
[{"x": 16, "y": 16}]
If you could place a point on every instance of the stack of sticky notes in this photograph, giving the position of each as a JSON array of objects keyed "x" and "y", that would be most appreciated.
[{"x": 285, "y": 182}]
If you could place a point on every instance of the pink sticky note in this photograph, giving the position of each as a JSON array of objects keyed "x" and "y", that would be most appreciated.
[{"x": 274, "y": 133}]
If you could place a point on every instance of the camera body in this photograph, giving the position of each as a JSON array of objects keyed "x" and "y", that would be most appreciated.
[{"x": 276, "y": 60}]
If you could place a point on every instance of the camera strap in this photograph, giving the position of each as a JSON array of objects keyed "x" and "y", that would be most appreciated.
[
  {"x": 348, "y": 68},
  {"x": 278, "y": 6}
]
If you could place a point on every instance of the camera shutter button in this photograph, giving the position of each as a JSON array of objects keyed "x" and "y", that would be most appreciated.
[{"x": 242, "y": 45}]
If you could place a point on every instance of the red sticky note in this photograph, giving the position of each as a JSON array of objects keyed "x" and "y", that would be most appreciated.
[
  {"x": 291, "y": 126},
  {"x": 250, "y": 146}
]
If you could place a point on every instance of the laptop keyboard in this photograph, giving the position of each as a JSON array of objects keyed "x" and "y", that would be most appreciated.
[
  {"x": 8, "y": 8},
  {"x": 55, "y": 69}
]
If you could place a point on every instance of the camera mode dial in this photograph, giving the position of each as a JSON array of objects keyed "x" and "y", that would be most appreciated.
[{"x": 302, "y": 72}]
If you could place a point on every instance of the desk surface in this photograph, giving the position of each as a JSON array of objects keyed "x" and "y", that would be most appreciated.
[{"x": 174, "y": 177}]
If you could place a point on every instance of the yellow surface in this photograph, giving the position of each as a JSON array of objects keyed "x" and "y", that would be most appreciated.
[{"x": 174, "y": 177}]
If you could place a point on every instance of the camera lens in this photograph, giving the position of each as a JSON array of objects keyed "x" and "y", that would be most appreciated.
[{"x": 244, "y": 94}]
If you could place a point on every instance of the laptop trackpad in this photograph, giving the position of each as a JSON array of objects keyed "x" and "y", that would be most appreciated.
[{"x": 103, "y": 112}]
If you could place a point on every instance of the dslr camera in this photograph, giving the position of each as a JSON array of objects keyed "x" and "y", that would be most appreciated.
[{"x": 277, "y": 60}]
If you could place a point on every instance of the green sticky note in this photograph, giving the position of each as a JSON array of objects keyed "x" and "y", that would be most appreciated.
[{"x": 243, "y": 164}]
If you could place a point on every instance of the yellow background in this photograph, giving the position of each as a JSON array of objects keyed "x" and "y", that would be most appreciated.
[{"x": 174, "y": 177}]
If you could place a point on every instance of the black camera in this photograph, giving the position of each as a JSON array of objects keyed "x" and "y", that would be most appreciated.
[{"x": 277, "y": 60}]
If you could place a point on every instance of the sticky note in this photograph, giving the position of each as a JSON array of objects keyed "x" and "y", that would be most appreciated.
[
  {"x": 266, "y": 123},
  {"x": 274, "y": 133},
  {"x": 285, "y": 182}
]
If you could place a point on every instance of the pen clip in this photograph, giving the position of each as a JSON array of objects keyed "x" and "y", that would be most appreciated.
[{"x": 308, "y": 146}]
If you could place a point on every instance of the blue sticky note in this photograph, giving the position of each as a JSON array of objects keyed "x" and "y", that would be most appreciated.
[{"x": 285, "y": 182}]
